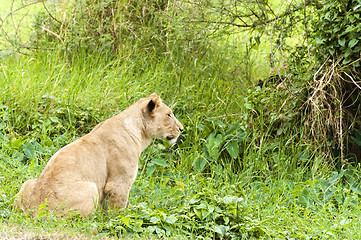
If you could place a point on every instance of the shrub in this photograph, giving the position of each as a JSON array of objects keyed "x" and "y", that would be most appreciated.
[
  {"x": 333, "y": 100},
  {"x": 103, "y": 26}
]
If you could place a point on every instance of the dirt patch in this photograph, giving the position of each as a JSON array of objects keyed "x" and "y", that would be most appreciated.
[{"x": 9, "y": 232}]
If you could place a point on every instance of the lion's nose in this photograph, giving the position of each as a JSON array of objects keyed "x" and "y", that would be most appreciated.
[{"x": 181, "y": 129}]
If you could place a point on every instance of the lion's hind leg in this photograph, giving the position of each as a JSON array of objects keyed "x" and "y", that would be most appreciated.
[
  {"x": 24, "y": 199},
  {"x": 79, "y": 196}
]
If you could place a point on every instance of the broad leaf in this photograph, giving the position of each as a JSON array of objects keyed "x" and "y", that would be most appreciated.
[
  {"x": 233, "y": 149},
  {"x": 160, "y": 162},
  {"x": 200, "y": 163}
]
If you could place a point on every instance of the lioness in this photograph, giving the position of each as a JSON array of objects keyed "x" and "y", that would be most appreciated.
[{"x": 103, "y": 164}]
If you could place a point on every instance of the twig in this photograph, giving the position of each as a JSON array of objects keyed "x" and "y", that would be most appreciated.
[
  {"x": 304, "y": 20},
  {"x": 310, "y": 99},
  {"x": 18, "y": 9},
  {"x": 248, "y": 25},
  {"x": 46, "y": 9},
  {"x": 53, "y": 33},
  {"x": 17, "y": 46},
  {"x": 222, "y": 23},
  {"x": 352, "y": 79}
]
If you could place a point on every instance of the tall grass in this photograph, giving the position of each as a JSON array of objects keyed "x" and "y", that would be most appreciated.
[
  {"x": 242, "y": 169},
  {"x": 276, "y": 187}
]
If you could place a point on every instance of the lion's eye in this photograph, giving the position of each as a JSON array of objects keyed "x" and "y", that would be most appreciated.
[{"x": 169, "y": 115}]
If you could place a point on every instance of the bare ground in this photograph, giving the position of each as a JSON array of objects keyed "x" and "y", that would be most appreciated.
[{"x": 10, "y": 232}]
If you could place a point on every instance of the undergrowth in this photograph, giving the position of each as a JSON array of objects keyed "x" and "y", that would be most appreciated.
[
  {"x": 246, "y": 166},
  {"x": 240, "y": 170},
  {"x": 175, "y": 205}
]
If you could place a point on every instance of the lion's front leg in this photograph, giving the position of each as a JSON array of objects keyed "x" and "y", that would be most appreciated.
[{"x": 116, "y": 194}]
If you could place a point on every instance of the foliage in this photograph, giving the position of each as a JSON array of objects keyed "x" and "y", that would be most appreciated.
[
  {"x": 332, "y": 101},
  {"x": 243, "y": 15},
  {"x": 337, "y": 31},
  {"x": 240, "y": 210},
  {"x": 251, "y": 163},
  {"x": 110, "y": 27},
  {"x": 102, "y": 26},
  {"x": 174, "y": 194},
  {"x": 198, "y": 207},
  {"x": 222, "y": 145}
]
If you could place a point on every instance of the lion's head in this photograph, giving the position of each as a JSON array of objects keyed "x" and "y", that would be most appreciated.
[{"x": 160, "y": 120}]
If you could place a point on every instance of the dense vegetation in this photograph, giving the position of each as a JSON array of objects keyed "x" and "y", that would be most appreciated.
[{"x": 268, "y": 94}]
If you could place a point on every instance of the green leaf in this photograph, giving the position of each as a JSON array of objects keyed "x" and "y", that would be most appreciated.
[
  {"x": 346, "y": 60},
  {"x": 357, "y": 49},
  {"x": 150, "y": 170},
  {"x": 54, "y": 119},
  {"x": 200, "y": 127},
  {"x": 249, "y": 105},
  {"x": 160, "y": 162},
  {"x": 352, "y": 43},
  {"x": 210, "y": 208},
  {"x": 349, "y": 29},
  {"x": 233, "y": 149},
  {"x": 200, "y": 163},
  {"x": 219, "y": 140},
  {"x": 198, "y": 213},
  {"x": 356, "y": 7},
  {"x": 194, "y": 200},
  {"x": 234, "y": 127},
  {"x": 347, "y": 53},
  {"x": 355, "y": 187},
  {"x": 126, "y": 221},
  {"x": 213, "y": 145},
  {"x": 303, "y": 198},
  {"x": 29, "y": 150},
  {"x": 241, "y": 135},
  {"x": 342, "y": 41},
  {"x": 221, "y": 230},
  {"x": 214, "y": 141},
  {"x": 217, "y": 122},
  {"x": 319, "y": 41},
  {"x": 231, "y": 199},
  {"x": 353, "y": 180},
  {"x": 18, "y": 142},
  {"x": 154, "y": 219},
  {"x": 331, "y": 50},
  {"x": 330, "y": 193},
  {"x": 335, "y": 176},
  {"x": 171, "y": 219}
]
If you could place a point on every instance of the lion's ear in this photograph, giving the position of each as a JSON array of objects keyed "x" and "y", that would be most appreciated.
[
  {"x": 153, "y": 102},
  {"x": 151, "y": 106}
]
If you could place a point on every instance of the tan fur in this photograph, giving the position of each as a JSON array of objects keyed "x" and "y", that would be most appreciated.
[{"x": 102, "y": 165}]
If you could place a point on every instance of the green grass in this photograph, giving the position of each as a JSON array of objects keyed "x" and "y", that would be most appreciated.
[
  {"x": 242, "y": 169},
  {"x": 178, "y": 206},
  {"x": 276, "y": 187}
]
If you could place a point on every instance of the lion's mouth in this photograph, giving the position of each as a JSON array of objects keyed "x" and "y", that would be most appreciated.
[{"x": 170, "y": 138}]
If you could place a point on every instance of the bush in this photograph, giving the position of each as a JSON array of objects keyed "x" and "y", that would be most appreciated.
[
  {"x": 337, "y": 32},
  {"x": 103, "y": 26},
  {"x": 333, "y": 100}
]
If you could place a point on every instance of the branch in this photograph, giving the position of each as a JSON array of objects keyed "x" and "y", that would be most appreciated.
[
  {"x": 46, "y": 9},
  {"x": 18, "y": 9},
  {"x": 255, "y": 24},
  {"x": 53, "y": 33},
  {"x": 222, "y": 23}
]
